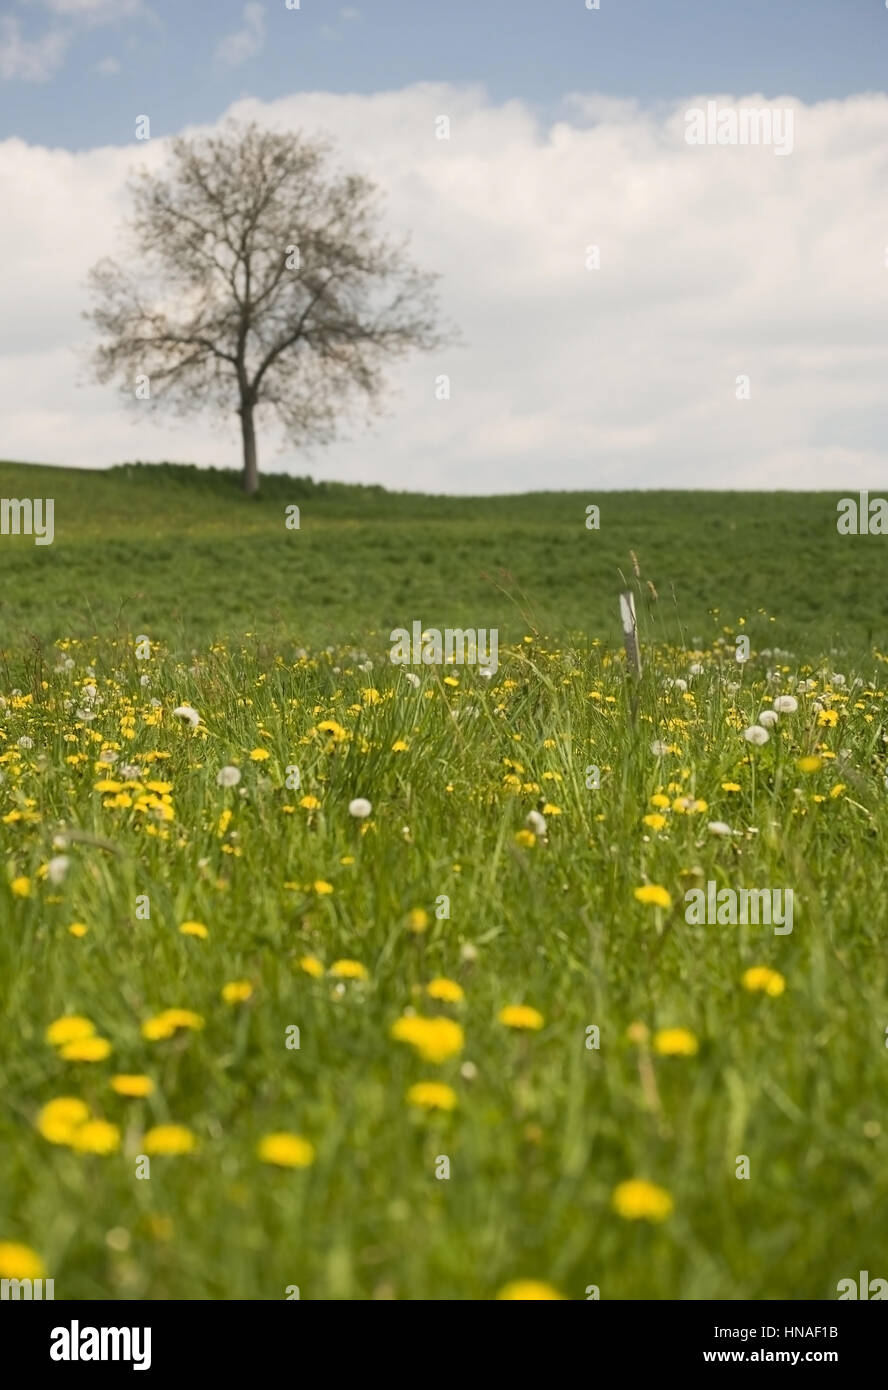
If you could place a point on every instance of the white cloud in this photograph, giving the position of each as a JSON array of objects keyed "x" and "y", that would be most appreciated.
[
  {"x": 246, "y": 42},
  {"x": 715, "y": 262},
  {"x": 107, "y": 66},
  {"x": 96, "y": 11},
  {"x": 32, "y": 60}
]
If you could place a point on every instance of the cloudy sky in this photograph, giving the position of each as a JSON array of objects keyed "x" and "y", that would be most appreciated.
[{"x": 732, "y": 335}]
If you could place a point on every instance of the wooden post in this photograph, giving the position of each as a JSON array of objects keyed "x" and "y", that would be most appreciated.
[{"x": 630, "y": 631}]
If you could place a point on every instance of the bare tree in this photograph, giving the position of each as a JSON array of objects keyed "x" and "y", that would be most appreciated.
[{"x": 259, "y": 278}]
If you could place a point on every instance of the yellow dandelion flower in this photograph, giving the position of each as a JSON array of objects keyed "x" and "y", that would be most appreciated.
[
  {"x": 675, "y": 1042},
  {"x": 660, "y": 801},
  {"x": 169, "y": 1139},
  {"x": 309, "y": 803},
  {"x": 19, "y": 1261},
  {"x": 435, "y": 1039},
  {"x": 164, "y": 1024},
  {"x": 828, "y": 718},
  {"x": 447, "y": 990},
  {"x": 348, "y": 970},
  {"x": 59, "y": 1118},
  {"x": 432, "y": 1095},
  {"x": 321, "y": 887},
  {"x": 418, "y": 919},
  {"x": 400, "y": 745},
  {"x": 78, "y": 929},
  {"x": 654, "y": 895},
  {"x": 237, "y": 991},
  {"x": 730, "y": 786},
  {"x": 194, "y": 929},
  {"x": 837, "y": 789},
  {"x": 286, "y": 1150},
  {"x": 86, "y": 1050},
  {"x": 71, "y": 1028},
  {"x": 527, "y": 1290},
  {"x": 96, "y": 1137},
  {"x": 761, "y": 978},
  {"x": 312, "y": 966},
  {"x": 132, "y": 1084},
  {"x": 550, "y": 810},
  {"x": 654, "y": 821},
  {"x": 525, "y": 838},
  {"x": 521, "y": 1016},
  {"x": 259, "y": 755},
  {"x": 20, "y": 887},
  {"x": 810, "y": 763},
  {"x": 640, "y": 1200}
]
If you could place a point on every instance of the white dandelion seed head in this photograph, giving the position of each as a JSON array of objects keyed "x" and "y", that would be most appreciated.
[
  {"x": 155, "y": 703},
  {"x": 108, "y": 755},
  {"x": 718, "y": 827},
  {"x": 412, "y": 678},
  {"x": 837, "y": 679},
  {"x": 89, "y": 692},
  {"x": 768, "y": 718},
  {"x": 785, "y": 704},
  {"x": 57, "y": 868},
  {"x": 468, "y": 1071},
  {"x": 695, "y": 668},
  {"x": 187, "y": 715},
  {"x": 360, "y": 808},
  {"x": 536, "y": 822},
  {"x": 130, "y": 771},
  {"x": 25, "y": 742},
  {"x": 675, "y": 684},
  {"x": 144, "y": 682},
  {"x": 86, "y": 716},
  {"x": 485, "y": 673},
  {"x": 468, "y": 951},
  {"x": 659, "y": 748},
  {"x": 228, "y": 776},
  {"x": 756, "y": 735}
]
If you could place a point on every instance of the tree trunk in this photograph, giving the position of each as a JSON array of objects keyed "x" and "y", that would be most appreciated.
[{"x": 251, "y": 466}]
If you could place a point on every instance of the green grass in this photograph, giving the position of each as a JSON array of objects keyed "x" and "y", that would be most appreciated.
[
  {"x": 180, "y": 554},
  {"x": 544, "y": 1129}
]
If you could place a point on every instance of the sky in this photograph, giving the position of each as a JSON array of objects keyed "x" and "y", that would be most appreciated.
[{"x": 728, "y": 332}]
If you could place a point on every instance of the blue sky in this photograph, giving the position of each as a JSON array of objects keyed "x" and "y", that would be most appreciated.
[{"x": 74, "y": 73}]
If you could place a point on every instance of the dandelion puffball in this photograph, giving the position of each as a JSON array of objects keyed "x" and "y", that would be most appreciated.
[
  {"x": 360, "y": 808},
  {"x": 718, "y": 827},
  {"x": 785, "y": 704},
  {"x": 659, "y": 748},
  {"x": 57, "y": 868},
  {"x": 755, "y": 734},
  {"x": 187, "y": 715},
  {"x": 228, "y": 777},
  {"x": 768, "y": 718},
  {"x": 536, "y": 822}
]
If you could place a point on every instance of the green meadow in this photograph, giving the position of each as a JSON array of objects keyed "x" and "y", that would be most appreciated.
[
  {"x": 520, "y": 1071},
  {"x": 177, "y": 552}
]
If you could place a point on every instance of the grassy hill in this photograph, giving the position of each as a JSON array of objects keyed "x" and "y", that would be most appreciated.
[
  {"x": 177, "y": 552},
  {"x": 486, "y": 954}
]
